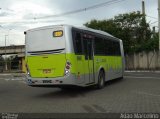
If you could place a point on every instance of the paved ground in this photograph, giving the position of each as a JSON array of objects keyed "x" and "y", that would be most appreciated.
[{"x": 137, "y": 92}]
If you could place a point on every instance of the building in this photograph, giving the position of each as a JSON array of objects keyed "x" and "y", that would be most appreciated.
[{"x": 14, "y": 58}]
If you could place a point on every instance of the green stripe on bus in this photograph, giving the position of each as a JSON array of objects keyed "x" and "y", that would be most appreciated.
[{"x": 56, "y": 62}]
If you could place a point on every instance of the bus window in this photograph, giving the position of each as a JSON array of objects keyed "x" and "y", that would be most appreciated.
[
  {"x": 77, "y": 43},
  {"x": 110, "y": 48},
  {"x": 106, "y": 48},
  {"x": 85, "y": 49},
  {"x": 88, "y": 51},
  {"x": 117, "y": 48},
  {"x": 99, "y": 46}
]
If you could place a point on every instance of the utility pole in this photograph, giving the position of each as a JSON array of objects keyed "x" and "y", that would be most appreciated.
[
  {"x": 143, "y": 8},
  {"x": 159, "y": 21},
  {"x": 144, "y": 18}
]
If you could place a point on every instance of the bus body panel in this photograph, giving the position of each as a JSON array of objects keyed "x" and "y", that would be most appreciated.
[
  {"x": 43, "y": 40},
  {"x": 58, "y": 81},
  {"x": 51, "y": 66},
  {"x": 77, "y": 66},
  {"x": 111, "y": 64},
  {"x": 46, "y": 65},
  {"x": 45, "y": 54},
  {"x": 80, "y": 68}
]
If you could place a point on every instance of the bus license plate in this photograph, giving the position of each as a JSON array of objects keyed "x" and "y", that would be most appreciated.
[
  {"x": 47, "y": 81},
  {"x": 46, "y": 71}
]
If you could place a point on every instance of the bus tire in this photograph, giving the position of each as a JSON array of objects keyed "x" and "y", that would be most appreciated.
[{"x": 101, "y": 80}]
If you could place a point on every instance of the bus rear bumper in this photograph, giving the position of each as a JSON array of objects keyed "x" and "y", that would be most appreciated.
[{"x": 52, "y": 82}]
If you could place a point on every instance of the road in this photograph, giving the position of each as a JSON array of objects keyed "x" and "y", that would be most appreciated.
[{"x": 137, "y": 92}]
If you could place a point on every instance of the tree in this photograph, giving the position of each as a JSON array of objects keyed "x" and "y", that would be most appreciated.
[
  {"x": 130, "y": 27},
  {"x": 152, "y": 44}
]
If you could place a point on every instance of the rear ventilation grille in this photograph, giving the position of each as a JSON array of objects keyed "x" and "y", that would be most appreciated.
[{"x": 46, "y": 52}]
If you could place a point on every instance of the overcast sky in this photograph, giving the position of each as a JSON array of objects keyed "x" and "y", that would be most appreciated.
[{"x": 16, "y": 16}]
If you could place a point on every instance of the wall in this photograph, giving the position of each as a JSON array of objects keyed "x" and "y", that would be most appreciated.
[{"x": 143, "y": 61}]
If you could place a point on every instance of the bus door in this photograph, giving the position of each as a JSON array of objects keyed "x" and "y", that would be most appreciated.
[{"x": 89, "y": 60}]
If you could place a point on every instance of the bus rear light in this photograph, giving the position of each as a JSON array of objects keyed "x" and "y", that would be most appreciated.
[{"x": 67, "y": 68}]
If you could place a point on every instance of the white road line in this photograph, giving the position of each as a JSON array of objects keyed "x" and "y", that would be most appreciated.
[
  {"x": 12, "y": 79},
  {"x": 18, "y": 79},
  {"x": 5, "y": 74},
  {"x": 148, "y": 94},
  {"x": 7, "y": 79},
  {"x": 141, "y": 77}
]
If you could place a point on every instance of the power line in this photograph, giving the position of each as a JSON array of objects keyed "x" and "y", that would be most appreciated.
[
  {"x": 30, "y": 21},
  {"x": 154, "y": 22},
  {"x": 152, "y": 17},
  {"x": 82, "y": 10}
]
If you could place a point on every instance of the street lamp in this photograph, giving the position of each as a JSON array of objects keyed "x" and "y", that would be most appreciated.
[
  {"x": 6, "y": 49},
  {"x": 6, "y": 46},
  {"x": 159, "y": 22},
  {"x": 5, "y": 53}
]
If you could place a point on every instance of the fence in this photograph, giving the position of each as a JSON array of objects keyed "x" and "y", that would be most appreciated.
[{"x": 143, "y": 61}]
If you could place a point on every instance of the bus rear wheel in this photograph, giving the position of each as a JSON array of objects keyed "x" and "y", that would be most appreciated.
[{"x": 101, "y": 80}]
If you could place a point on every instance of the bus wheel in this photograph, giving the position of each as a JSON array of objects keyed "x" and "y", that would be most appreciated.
[{"x": 101, "y": 80}]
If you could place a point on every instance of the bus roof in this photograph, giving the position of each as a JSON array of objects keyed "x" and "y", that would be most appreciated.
[
  {"x": 70, "y": 26},
  {"x": 96, "y": 31}
]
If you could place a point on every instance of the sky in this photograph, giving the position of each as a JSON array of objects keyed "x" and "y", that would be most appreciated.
[{"x": 17, "y": 16}]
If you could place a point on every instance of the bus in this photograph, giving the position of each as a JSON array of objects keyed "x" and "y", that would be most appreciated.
[{"x": 64, "y": 55}]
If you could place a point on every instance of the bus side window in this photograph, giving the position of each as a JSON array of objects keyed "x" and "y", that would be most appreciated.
[
  {"x": 85, "y": 49},
  {"x": 117, "y": 48},
  {"x": 77, "y": 43},
  {"x": 114, "y": 49},
  {"x": 99, "y": 46},
  {"x": 106, "y": 47},
  {"x": 110, "y": 48}
]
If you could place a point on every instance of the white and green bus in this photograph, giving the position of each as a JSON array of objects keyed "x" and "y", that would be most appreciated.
[{"x": 64, "y": 55}]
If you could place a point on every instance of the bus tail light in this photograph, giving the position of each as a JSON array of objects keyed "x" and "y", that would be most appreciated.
[{"x": 67, "y": 68}]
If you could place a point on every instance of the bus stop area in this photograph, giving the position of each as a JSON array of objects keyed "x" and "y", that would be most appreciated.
[{"x": 137, "y": 92}]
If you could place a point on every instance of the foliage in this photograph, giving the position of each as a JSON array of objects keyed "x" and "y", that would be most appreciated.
[
  {"x": 152, "y": 44},
  {"x": 132, "y": 28}
]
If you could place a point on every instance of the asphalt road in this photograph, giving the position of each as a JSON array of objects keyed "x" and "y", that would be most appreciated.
[{"x": 137, "y": 92}]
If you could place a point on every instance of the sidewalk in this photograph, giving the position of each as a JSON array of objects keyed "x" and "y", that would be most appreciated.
[
  {"x": 158, "y": 71},
  {"x": 7, "y": 74}
]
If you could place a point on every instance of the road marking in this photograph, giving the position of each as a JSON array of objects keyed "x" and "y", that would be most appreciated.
[
  {"x": 5, "y": 74},
  {"x": 99, "y": 108},
  {"x": 141, "y": 77},
  {"x": 89, "y": 109},
  {"x": 7, "y": 79},
  {"x": 148, "y": 94},
  {"x": 16, "y": 79}
]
